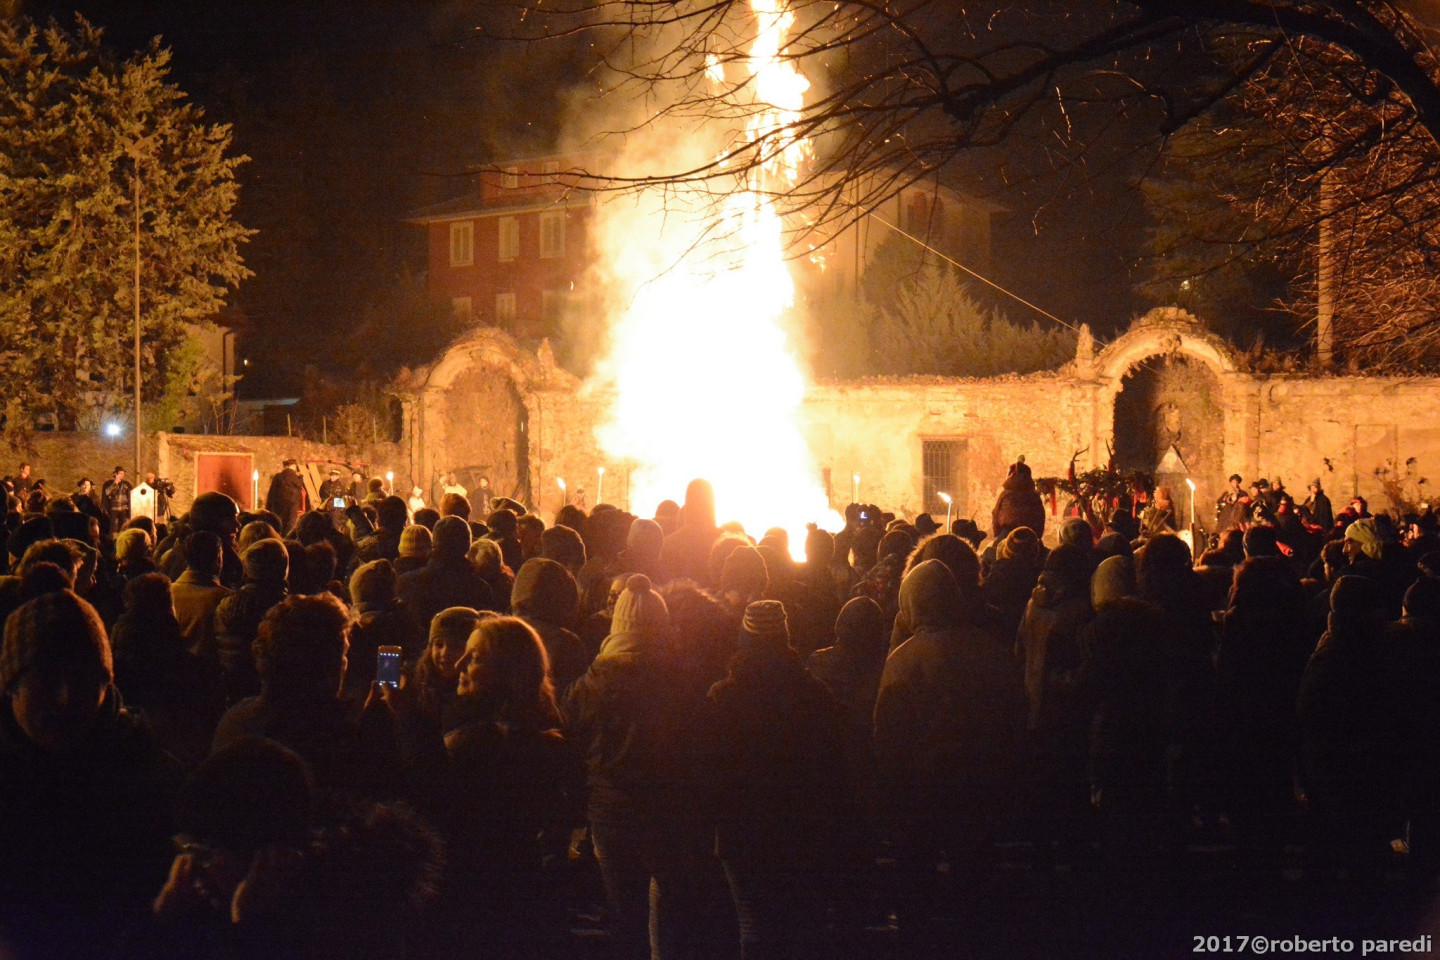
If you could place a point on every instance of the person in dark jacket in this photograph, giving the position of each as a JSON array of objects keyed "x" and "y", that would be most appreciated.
[
  {"x": 286, "y": 497},
  {"x": 380, "y": 619},
  {"x": 780, "y": 772},
  {"x": 300, "y": 654},
  {"x": 238, "y": 616},
  {"x": 384, "y": 543},
  {"x": 1265, "y": 642},
  {"x": 85, "y": 789},
  {"x": 115, "y": 497},
  {"x": 948, "y": 712},
  {"x": 180, "y": 694},
  {"x": 1322, "y": 514},
  {"x": 546, "y": 597},
  {"x": 1019, "y": 503},
  {"x": 1348, "y": 733},
  {"x": 514, "y": 784},
  {"x": 630, "y": 717},
  {"x": 448, "y": 578}
]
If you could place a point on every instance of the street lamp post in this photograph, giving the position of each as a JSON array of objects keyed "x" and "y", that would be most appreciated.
[{"x": 136, "y": 156}]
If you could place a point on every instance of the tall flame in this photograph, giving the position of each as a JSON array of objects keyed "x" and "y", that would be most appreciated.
[{"x": 704, "y": 381}]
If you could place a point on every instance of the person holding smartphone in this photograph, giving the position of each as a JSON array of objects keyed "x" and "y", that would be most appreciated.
[{"x": 333, "y": 491}]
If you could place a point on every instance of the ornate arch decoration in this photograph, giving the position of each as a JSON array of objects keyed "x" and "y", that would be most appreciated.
[{"x": 1165, "y": 331}]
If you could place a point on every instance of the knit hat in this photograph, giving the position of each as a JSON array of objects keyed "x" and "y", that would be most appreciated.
[
  {"x": 860, "y": 624},
  {"x": 644, "y": 539},
  {"x": 415, "y": 542},
  {"x": 454, "y": 625},
  {"x": 1075, "y": 530},
  {"x": 212, "y": 510},
  {"x": 373, "y": 582},
  {"x": 451, "y": 537},
  {"x": 266, "y": 561},
  {"x": 55, "y": 632},
  {"x": 132, "y": 544},
  {"x": 1114, "y": 580},
  {"x": 486, "y": 556},
  {"x": 765, "y": 621},
  {"x": 640, "y": 610},
  {"x": 744, "y": 572},
  {"x": 1363, "y": 532}
]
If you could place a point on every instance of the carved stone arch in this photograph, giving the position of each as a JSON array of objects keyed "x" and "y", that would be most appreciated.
[
  {"x": 1162, "y": 402},
  {"x": 472, "y": 410}
]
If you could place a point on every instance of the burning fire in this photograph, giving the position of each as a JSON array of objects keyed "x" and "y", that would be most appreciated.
[{"x": 704, "y": 380}]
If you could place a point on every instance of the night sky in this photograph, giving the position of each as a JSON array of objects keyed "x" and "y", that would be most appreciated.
[{"x": 354, "y": 113}]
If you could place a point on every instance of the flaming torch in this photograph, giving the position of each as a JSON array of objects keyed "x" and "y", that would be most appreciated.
[
  {"x": 564, "y": 495},
  {"x": 254, "y": 489},
  {"x": 948, "y": 505}
]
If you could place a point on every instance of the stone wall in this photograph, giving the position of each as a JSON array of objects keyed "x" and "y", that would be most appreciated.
[{"x": 1175, "y": 385}]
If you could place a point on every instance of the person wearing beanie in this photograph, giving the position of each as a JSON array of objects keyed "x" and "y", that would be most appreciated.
[
  {"x": 780, "y": 783},
  {"x": 379, "y": 618},
  {"x": 86, "y": 788},
  {"x": 947, "y": 715},
  {"x": 744, "y": 578},
  {"x": 1019, "y": 503},
  {"x": 643, "y": 542},
  {"x": 505, "y": 530},
  {"x": 563, "y": 545},
  {"x": 415, "y": 546},
  {"x": 133, "y": 553},
  {"x": 448, "y": 578},
  {"x": 851, "y": 668},
  {"x": 635, "y": 723},
  {"x": 238, "y": 616}
]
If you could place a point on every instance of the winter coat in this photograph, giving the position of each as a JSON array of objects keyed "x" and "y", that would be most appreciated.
[
  {"x": 442, "y": 583},
  {"x": 286, "y": 498},
  {"x": 237, "y": 622},
  {"x": 86, "y": 838},
  {"x": 1018, "y": 505},
  {"x": 949, "y": 706},
  {"x": 374, "y": 626},
  {"x": 196, "y": 599},
  {"x": 639, "y": 734},
  {"x": 546, "y": 597},
  {"x": 1048, "y": 642},
  {"x": 181, "y": 695},
  {"x": 779, "y": 762}
]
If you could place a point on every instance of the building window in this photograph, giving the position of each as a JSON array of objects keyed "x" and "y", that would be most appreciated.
[
  {"x": 509, "y": 239},
  {"x": 944, "y": 470},
  {"x": 552, "y": 234},
  {"x": 504, "y": 307},
  {"x": 462, "y": 243},
  {"x": 463, "y": 308},
  {"x": 509, "y": 178}
]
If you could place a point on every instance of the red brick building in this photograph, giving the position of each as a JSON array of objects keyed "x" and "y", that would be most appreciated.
[
  {"x": 510, "y": 254},
  {"x": 513, "y": 253}
]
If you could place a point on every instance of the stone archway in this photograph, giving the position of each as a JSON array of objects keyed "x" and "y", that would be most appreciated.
[
  {"x": 1163, "y": 382},
  {"x": 471, "y": 413}
]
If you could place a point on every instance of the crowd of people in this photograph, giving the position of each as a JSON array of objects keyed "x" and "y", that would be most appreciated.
[{"x": 746, "y": 753}]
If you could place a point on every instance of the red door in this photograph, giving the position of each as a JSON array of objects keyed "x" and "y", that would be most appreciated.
[{"x": 227, "y": 473}]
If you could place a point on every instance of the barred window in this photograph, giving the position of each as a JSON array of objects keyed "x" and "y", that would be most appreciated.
[{"x": 944, "y": 470}]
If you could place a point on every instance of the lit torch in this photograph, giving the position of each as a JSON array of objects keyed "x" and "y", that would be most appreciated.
[
  {"x": 855, "y": 487},
  {"x": 254, "y": 489},
  {"x": 564, "y": 496},
  {"x": 1191, "y": 484},
  {"x": 600, "y": 487},
  {"x": 948, "y": 505}
]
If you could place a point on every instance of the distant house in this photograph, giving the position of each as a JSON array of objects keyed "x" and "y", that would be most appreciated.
[{"x": 511, "y": 253}]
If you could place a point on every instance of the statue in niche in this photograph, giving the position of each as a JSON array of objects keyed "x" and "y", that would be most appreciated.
[{"x": 1168, "y": 425}]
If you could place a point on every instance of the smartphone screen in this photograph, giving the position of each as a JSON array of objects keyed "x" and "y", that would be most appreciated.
[
  {"x": 337, "y": 502},
  {"x": 387, "y": 665}
]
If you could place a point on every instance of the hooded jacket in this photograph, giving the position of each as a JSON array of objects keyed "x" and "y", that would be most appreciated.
[
  {"x": 949, "y": 703},
  {"x": 546, "y": 597},
  {"x": 1018, "y": 505}
]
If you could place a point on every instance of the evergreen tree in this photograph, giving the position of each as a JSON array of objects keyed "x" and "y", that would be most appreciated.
[{"x": 79, "y": 131}]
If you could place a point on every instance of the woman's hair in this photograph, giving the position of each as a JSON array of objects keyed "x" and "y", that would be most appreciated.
[{"x": 514, "y": 670}]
